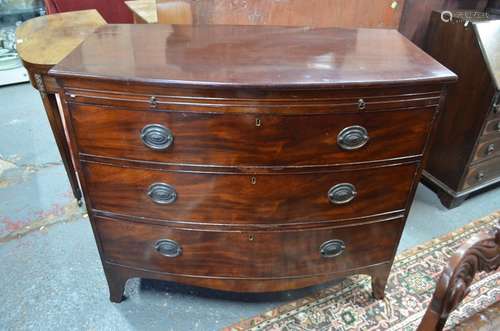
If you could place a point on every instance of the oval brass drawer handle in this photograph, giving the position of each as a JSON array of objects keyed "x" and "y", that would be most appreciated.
[
  {"x": 162, "y": 193},
  {"x": 157, "y": 137},
  {"x": 342, "y": 193},
  {"x": 352, "y": 137},
  {"x": 168, "y": 248},
  {"x": 332, "y": 248}
]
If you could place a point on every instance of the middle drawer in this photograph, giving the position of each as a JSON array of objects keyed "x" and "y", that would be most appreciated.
[
  {"x": 248, "y": 199},
  {"x": 250, "y": 139}
]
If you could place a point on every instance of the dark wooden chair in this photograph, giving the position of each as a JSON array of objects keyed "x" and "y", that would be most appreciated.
[{"x": 479, "y": 253}]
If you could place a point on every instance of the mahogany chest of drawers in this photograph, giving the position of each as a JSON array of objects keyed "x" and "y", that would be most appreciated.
[
  {"x": 465, "y": 156},
  {"x": 248, "y": 159}
]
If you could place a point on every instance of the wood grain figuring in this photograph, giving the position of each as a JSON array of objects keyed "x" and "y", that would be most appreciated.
[
  {"x": 46, "y": 40},
  {"x": 233, "y": 199},
  {"x": 236, "y": 140},
  {"x": 256, "y": 254},
  {"x": 294, "y": 101},
  {"x": 314, "y": 13},
  {"x": 118, "y": 275},
  {"x": 251, "y": 56}
]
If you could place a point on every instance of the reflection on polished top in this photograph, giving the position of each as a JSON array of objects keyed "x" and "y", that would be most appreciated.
[
  {"x": 251, "y": 56},
  {"x": 489, "y": 38},
  {"x": 46, "y": 40}
]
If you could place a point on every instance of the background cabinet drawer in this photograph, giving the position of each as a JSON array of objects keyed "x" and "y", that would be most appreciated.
[
  {"x": 483, "y": 172},
  {"x": 248, "y": 139},
  {"x": 492, "y": 127},
  {"x": 245, "y": 253},
  {"x": 487, "y": 148},
  {"x": 237, "y": 198}
]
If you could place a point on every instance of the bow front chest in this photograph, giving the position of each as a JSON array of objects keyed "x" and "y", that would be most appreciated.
[{"x": 249, "y": 159}]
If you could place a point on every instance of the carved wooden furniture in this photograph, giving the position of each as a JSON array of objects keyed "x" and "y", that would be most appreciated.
[
  {"x": 41, "y": 43},
  {"x": 480, "y": 253},
  {"x": 314, "y": 13},
  {"x": 465, "y": 155},
  {"x": 248, "y": 158}
]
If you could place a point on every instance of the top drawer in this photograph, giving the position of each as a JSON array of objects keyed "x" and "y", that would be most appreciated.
[
  {"x": 249, "y": 139},
  {"x": 258, "y": 100}
]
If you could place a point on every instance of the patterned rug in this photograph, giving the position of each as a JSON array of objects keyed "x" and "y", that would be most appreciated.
[{"x": 350, "y": 306}]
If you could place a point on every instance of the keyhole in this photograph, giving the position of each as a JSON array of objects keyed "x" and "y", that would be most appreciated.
[
  {"x": 258, "y": 122},
  {"x": 253, "y": 180},
  {"x": 251, "y": 237},
  {"x": 153, "y": 102}
]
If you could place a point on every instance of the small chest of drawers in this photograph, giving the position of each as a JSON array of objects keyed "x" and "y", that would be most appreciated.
[{"x": 249, "y": 159}]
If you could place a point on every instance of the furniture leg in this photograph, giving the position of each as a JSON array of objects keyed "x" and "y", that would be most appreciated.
[
  {"x": 379, "y": 279},
  {"x": 451, "y": 202},
  {"x": 116, "y": 282},
  {"x": 52, "y": 111}
]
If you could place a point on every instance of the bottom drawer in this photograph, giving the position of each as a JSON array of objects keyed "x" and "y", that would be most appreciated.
[
  {"x": 482, "y": 173},
  {"x": 247, "y": 254}
]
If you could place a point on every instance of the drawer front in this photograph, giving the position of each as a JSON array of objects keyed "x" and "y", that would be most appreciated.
[
  {"x": 280, "y": 101},
  {"x": 495, "y": 108},
  {"x": 483, "y": 172},
  {"x": 248, "y": 139},
  {"x": 492, "y": 127},
  {"x": 247, "y": 199},
  {"x": 487, "y": 148},
  {"x": 247, "y": 254}
]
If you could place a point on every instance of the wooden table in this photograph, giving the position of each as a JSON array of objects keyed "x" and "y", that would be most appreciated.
[
  {"x": 320, "y": 13},
  {"x": 43, "y": 42},
  {"x": 144, "y": 10}
]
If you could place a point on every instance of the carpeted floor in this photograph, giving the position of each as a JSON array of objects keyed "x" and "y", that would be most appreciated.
[{"x": 350, "y": 306}]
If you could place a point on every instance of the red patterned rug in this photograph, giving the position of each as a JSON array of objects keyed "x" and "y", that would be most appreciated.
[{"x": 350, "y": 306}]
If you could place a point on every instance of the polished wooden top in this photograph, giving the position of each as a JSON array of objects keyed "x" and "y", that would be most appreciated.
[
  {"x": 262, "y": 56},
  {"x": 489, "y": 39},
  {"x": 314, "y": 13},
  {"x": 46, "y": 40}
]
